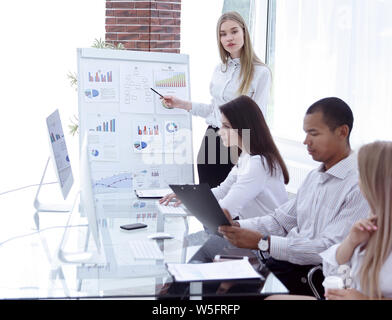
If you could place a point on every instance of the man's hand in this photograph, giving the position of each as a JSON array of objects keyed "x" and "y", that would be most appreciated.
[
  {"x": 228, "y": 216},
  {"x": 241, "y": 238}
]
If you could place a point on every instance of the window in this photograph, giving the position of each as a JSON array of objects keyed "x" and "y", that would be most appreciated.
[
  {"x": 37, "y": 55},
  {"x": 342, "y": 48},
  {"x": 243, "y": 7},
  {"x": 198, "y": 40}
]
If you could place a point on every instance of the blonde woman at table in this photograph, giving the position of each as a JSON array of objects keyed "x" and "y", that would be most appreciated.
[
  {"x": 240, "y": 72},
  {"x": 368, "y": 247},
  {"x": 255, "y": 186}
]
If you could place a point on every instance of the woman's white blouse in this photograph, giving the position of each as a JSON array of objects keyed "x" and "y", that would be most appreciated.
[
  {"x": 330, "y": 266},
  {"x": 224, "y": 86},
  {"x": 249, "y": 190}
]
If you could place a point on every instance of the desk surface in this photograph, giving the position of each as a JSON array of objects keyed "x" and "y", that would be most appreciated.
[{"x": 33, "y": 268}]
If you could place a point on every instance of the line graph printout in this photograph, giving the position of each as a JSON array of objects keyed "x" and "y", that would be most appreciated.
[
  {"x": 136, "y": 96},
  {"x": 106, "y": 182}
]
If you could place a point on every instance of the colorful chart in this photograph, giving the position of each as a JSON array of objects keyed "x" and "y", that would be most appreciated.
[
  {"x": 55, "y": 137},
  {"x": 148, "y": 130},
  {"x": 100, "y": 76},
  {"x": 171, "y": 127},
  {"x": 95, "y": 153},
  {"x": 146, "y": 216},
  {"x": 107, "y": 126},
  {"x": 91, "y": 93},
  {"x": 172, "y": 80},
  {"x": 139, "y": 205},
  {"x": 140, "y": 145}
]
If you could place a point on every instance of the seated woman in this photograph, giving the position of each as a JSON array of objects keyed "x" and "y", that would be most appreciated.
[
  {"x": 255, "y": 186},
  {"x": 368, "y": 247}
]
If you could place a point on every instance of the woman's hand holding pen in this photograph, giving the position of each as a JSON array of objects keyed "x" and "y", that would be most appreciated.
[{"x": 174, "y": 102}]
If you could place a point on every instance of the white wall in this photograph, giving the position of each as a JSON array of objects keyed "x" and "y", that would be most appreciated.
[
  {"x": 198, "y": 40},
  {"x": 39, "y": 41}
]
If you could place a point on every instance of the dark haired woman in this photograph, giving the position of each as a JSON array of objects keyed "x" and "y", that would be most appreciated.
[{"x": 255, "y": 186}]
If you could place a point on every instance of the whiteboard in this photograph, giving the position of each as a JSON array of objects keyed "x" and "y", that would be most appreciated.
[{"x": 134, "y": 142}]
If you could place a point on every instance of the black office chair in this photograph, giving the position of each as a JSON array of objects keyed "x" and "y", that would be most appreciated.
[{"x": 318, "y": 293}]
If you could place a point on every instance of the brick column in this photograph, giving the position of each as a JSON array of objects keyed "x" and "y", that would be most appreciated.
[{"x": 144, "y": 25}]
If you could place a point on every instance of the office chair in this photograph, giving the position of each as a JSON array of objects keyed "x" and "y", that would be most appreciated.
[
  {"x": 311, "y": 273},
  {"x": 344, "y": 271}
]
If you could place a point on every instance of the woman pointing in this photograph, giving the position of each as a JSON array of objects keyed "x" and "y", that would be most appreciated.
[{"x": 240, "y": 72}]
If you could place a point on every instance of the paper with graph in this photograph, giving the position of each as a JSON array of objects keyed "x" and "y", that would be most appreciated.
[
  {"x": 170, "y": 81},
  {"x": 101, "y": 83},
  {"x": 134, "y": 142}
]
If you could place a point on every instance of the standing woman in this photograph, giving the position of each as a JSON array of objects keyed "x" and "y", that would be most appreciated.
[{"x": 240, "y": 72}]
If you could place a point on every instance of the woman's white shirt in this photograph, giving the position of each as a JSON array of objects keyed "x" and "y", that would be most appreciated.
[
  {"x": 249, "y": 190},
  {"x": 224, "y": 86},
  {"x": 330, "y": 266}
]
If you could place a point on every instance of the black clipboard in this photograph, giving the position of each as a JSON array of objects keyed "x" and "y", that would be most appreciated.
[{"x": 201, "y": 202}]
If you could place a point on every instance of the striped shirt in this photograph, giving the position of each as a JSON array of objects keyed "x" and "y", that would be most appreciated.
[{"x": 327, "y": 204}]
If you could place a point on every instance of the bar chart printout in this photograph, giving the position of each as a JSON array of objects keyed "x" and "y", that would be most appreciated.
[
  {"x": 100, "y": 76},
  {"x": 107, "y": 126},
  {"x": 170, "y": 79}
]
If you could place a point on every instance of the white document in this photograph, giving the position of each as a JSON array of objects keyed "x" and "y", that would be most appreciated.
[
  {"x": 153, "y": 193},
  {"x": 227, "y": 270},
  {"x": 136, "y": 95},
  {"x": 101, "y": 83},
  {"x": 147, "y": 137},
  {"x": 103, "y": 138},
  {"x": 173, "y": 81},
  {"x": 103, "y": 146}
]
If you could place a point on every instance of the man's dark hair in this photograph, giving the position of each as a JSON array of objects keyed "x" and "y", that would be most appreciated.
[{"x": 335, "y": 112}]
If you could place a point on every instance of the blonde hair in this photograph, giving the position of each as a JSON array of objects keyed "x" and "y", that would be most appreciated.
[
  {"x": 375, "y": 171},
  {"x": 248, "y": 57}
]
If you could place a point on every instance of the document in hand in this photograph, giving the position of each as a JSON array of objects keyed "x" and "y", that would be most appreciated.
[{"x": 227, "y": 270}]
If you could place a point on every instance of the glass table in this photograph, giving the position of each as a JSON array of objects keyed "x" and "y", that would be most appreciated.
[{"x": 53, "y": 255}]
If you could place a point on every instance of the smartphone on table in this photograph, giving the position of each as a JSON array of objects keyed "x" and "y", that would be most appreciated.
[{"x": 133, "y": 226}]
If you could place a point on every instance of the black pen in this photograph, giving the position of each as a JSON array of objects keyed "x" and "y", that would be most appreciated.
[
  {"x": 157, "y": 93},
  {"x": 230, "y": 257}
]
